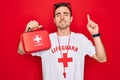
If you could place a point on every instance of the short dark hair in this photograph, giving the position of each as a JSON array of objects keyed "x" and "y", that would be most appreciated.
[{"x": 68, "y": 5}]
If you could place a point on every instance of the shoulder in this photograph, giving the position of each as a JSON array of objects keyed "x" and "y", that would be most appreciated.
[
  {"x": 78, "y": 35},
  {"x": 52, "y": 34}
]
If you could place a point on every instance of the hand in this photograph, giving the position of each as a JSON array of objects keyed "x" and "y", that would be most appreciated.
[
  {"x": 32, "y": 25},
  {"x": 92, "y": 26}
]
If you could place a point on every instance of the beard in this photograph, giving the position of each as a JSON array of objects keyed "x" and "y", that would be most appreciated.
[{"x": 63, "y": 25}]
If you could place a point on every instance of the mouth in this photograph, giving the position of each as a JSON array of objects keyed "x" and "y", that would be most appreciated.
[{"x": 62, "y": 22}]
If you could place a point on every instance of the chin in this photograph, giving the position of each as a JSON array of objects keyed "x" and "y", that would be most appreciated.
[{"x": 63, "y": 27}]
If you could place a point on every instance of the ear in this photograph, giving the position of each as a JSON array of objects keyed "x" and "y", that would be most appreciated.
[{"x": 71, "y": 18}]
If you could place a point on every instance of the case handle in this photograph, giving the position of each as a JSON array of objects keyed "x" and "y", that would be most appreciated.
[{"x": 39, "y": 28}]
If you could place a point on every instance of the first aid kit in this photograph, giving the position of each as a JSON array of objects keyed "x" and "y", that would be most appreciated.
[{"x": 37, "y": 40}]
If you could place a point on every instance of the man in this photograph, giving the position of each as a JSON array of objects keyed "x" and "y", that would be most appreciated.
[{"x": 65, "y": 59}]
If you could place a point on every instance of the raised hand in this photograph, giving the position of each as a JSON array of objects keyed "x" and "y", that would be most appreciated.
[
  {"x": 32, "y": 25},
  {"x": 92, "y": 26}
]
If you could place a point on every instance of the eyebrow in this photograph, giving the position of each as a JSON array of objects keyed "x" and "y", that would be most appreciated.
[
  {"x": 58, "y": 13},
  {"x": 63, "y": 12},
  {"x": 66, "y": 12}
]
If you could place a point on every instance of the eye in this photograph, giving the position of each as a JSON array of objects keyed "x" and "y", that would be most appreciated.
[
  {"x": 58, "y": 15},
  {"x": 66, "y": 14}
]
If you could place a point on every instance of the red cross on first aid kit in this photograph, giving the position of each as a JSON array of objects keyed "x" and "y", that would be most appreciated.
[{"x": 35, "y": 41}]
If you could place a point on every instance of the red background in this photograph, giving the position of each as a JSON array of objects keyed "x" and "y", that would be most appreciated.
[{"x": 15, "y": 14}]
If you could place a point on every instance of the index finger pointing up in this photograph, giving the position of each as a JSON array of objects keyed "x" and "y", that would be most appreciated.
[{"x": 88, "y": 18}]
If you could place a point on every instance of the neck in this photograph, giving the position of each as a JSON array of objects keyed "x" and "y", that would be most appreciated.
[{"x": 64, "y": 32}]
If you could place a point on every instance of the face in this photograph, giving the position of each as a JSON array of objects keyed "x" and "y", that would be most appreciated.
[{"x": 62, "y": 17}]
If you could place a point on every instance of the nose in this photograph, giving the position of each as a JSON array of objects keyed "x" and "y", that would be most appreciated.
[{"x": 62, "y": 17}]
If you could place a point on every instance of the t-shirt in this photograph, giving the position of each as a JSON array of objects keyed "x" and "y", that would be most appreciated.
[{"x": 63, "y": 57}]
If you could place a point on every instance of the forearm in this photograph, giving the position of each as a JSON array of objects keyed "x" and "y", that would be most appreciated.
[
  {"x": 100, "y": 50},
  {"x": 20, "y": 48}
]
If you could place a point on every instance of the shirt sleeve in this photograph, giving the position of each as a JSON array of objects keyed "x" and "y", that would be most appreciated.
[
  {"x": 89, "y": 47},
  {"x": 36, "y": 54}
]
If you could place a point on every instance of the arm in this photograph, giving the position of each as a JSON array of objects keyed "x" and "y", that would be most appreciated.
[
  {"x": 20, "y": 48},
  {"x": 32, "y": 25},
  {"x": 100, "y": 51},
  {"x": 93, "y": 28}
]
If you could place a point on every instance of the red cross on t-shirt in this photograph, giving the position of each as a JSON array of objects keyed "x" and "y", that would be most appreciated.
[{"x": 65, "y": 60}]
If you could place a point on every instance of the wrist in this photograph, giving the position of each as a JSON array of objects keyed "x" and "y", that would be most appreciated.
[{"x": 96, "y": 35}]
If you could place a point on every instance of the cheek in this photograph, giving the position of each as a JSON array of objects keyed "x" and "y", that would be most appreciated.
[
  {"x": 69, "y": 20},
  {"x": 56, "y": 21}
]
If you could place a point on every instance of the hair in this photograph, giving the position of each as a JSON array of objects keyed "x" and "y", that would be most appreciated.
[{"x": 68, "y": 5}]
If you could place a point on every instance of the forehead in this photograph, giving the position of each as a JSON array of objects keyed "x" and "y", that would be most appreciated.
[{"x": 62, "y": 9}]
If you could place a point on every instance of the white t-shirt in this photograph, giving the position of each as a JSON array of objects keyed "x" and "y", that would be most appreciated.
[{"x": 78, "y": 48}]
